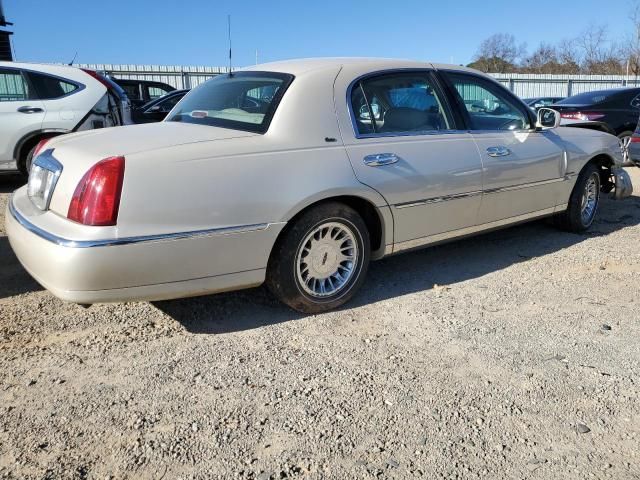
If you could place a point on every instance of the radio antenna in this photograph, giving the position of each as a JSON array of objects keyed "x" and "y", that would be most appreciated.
[
  {"x": 73, "y": 59},
  {"x": 229, "y": 31}
]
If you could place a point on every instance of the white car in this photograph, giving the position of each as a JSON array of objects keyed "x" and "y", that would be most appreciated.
[
  {"x": 298, "y": 173},
  {"x": 38, "y": 102}
]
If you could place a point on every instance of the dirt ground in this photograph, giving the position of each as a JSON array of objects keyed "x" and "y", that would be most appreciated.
[{"x": 514, "y": 354}]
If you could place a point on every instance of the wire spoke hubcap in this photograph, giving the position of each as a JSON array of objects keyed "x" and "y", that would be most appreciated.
[
  {"x": 327, "y": 259},
  {"x": 589, "y": 199}
]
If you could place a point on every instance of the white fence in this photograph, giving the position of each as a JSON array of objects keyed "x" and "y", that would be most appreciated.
[
  {"x": 529, "y": 85},
  {"x": 524, "y": 85},
  {"x": 177, "y": 76}
]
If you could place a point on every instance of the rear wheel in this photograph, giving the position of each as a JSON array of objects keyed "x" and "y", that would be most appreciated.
[
  {"x": 25, "y": 167},
  {"x": 583, "y": 203},
  {"x": 321, "y": 260}
]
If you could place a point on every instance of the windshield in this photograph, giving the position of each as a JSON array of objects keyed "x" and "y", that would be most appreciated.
[
  {"x": 241, "y": 101},
  {"x": 589, "y": 98}
]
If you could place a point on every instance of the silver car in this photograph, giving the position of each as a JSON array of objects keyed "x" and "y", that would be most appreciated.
[{"x": 299, "y": 173}]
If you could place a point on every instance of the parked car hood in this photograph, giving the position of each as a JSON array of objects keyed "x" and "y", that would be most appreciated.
[{"x": 97, "y": 144}]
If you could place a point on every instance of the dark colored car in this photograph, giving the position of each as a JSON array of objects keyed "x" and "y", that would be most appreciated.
[
  {"x": 539, "y": 102},
  {"x": 157, "y": 109},
  {"x": 634, "y": 146},
  {"x": 615, "y": 111},
  {"x": 143, "y": 91}
]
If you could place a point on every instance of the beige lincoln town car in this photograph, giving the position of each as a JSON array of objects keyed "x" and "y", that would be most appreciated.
[{"x": 299, "y": 173}]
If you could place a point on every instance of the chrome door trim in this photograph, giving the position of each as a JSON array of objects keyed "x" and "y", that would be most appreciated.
[
  {"x": 444, "y": 198},
  {"x": 526, "y": 185},
  {"x": 458, "y": 196},
  {"x": 443, "y": 237},
  {"x": 65, "y": 242}
]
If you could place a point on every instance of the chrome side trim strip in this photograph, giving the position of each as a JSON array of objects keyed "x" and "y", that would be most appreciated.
[
  {"x": 525, "y": 185},
  {"x": 444, "y": 198},
  {"x": 458, "y": 196},
  {"x": 442, "y": 237},
  {"x": 65, "y": 242}
]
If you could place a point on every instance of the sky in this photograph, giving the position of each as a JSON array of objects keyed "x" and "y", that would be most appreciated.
[{"x": 194, "y": 32}]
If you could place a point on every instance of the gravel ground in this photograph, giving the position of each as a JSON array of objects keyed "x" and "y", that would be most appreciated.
[{"x": 511, "y": 355}]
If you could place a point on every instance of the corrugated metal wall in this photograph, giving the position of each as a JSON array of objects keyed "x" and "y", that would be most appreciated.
[
  {"x": 529, "y": 85},
  {"x": 524, "y": 85},
  {"x": 175, "y": 75}
]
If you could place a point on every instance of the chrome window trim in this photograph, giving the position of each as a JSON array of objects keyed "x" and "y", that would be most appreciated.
[
  {"x": 65, "y": 242},
  {"x": 80, "y": 86},
  {"x": 47, "y": 161},
  {"x": 410, "y": 134},
  {"x": 354, "y": 125}
]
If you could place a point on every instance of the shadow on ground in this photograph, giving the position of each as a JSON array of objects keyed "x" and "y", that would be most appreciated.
[
  {"x": 405, "y": 274},
  {"x": 11, "y": 182},
  {"x": 391, "y": 277}
]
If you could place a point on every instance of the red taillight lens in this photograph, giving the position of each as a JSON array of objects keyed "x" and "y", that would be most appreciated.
[
  {"x": 98, "y": 77},
  {"x": 40, "y": 147},
  {"x": 583, "y": 116},
  {"x": 97, "y": 196},
  {"x": 635, "y": 139}
]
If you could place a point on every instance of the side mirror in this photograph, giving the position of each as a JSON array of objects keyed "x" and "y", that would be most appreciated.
[{"x": 548, "y": 119}]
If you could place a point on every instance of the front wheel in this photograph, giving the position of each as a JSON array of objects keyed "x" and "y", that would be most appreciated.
[
  {"x": 583, "y": 203},
  {"x": 321, "y": 260}
]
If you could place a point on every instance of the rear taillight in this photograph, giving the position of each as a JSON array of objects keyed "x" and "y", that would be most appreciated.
[
  {"x": 97, "y": 196},
  {"x": 583, "y": 116},
  {"x": 635, "y": 139},
  {"x": 98, "y": 77},
  {"x": 40, "y": 146}
]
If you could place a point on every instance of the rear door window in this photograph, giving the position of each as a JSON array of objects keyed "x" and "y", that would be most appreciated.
[
  {"x": 50, "y": 88},
  {"x": 398, "y": 103},
  {"x": 13, "y": 86}
]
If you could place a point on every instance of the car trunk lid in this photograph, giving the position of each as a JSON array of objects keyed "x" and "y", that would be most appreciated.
[{"x": 77, "y": 153}]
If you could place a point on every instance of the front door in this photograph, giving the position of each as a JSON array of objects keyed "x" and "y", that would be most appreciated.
[
  {"x": 523, "y": 168},
  {"x": 402, "y": 142},
  {"x": 20, "y": 112}
]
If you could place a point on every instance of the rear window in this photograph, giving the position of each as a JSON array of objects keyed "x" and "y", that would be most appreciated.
[
  {"x": 49, "y": 88},
  {"x": 589, "y": 98},
  {"x": 241, "y": 101},
  {"x": 13, "y": 86}
]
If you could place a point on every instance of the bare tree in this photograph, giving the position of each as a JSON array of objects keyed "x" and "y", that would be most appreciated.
[
  {"x": 631, "y": 47},
  {"x": 499, "y": 54},
  {"x": 599, "y": 56},
  {"x": 568, "y": 58}
]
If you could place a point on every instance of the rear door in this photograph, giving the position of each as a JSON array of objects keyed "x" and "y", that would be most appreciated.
[
  {"x": 402, "y": 141},
  {"x": 20, "y": 112},
  {"x": 523, "y": 168}
]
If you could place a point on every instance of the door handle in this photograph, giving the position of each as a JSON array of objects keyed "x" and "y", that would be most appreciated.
[
  {"x": 379, "y": 159},
  {"x": 30, "y": 110},
  {"x": 498, "y": 151}
]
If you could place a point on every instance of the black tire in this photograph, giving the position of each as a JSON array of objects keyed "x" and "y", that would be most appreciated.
[
  {"x": 25, "y": 167},
  {"x": 572, "y": 219},
  {"x": 627, "y": 134},
  {"x": 283, "y": 273}
]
